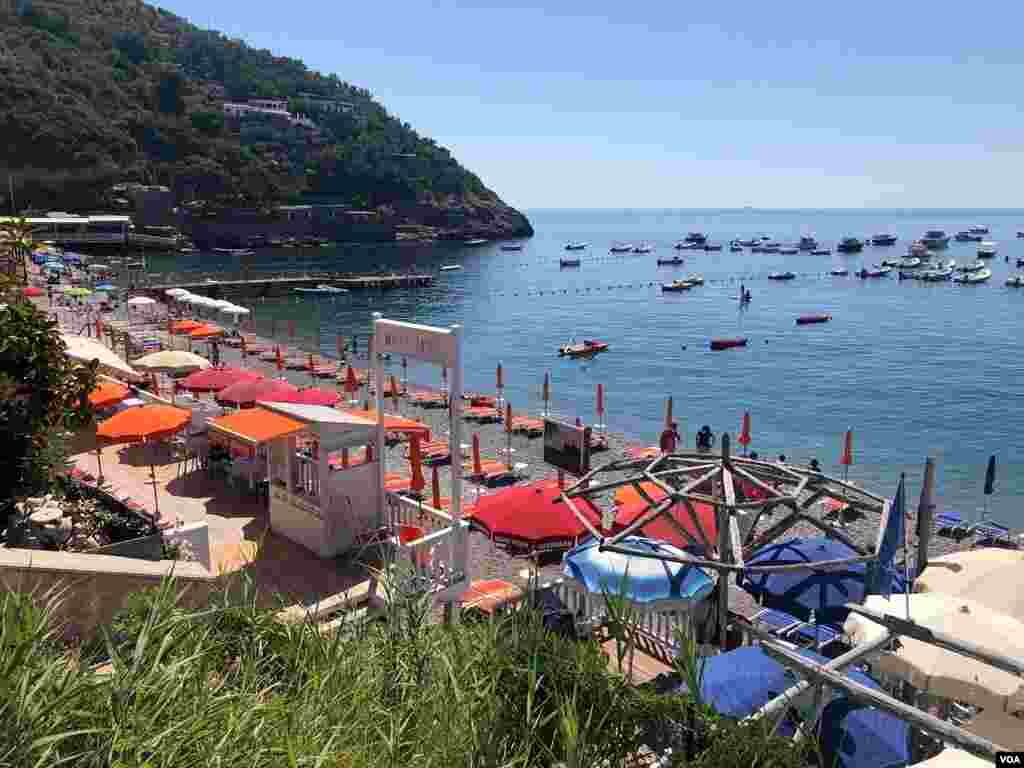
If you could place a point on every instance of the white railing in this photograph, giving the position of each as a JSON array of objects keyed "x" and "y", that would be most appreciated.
[{"x": 401, "y": 510}]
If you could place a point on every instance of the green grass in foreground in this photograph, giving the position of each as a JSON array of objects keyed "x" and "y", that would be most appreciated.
[{"x": 230, "y": 686}]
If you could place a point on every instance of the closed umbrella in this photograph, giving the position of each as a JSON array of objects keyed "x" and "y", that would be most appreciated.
[
  {"x": 990, "y": 480},
  {"x": 508, "y": 433},
  {"x": 646, "y": 581},
  {"x": 668, "y": 413},
  {"x": 532, "y": 517},
  {"x": 477, "y": 466},
  {"x": 435, "y": 486},
  {"x": 847, "y": 458},
  {"x": 499, "y": 382},
  {"x": 108, "y": 393},
  {"x": 941, "y": 672},
  {"x": 744, "y": 438},
  {"x": 417, "y": 482},
  {"x": 600, "y": 407}
]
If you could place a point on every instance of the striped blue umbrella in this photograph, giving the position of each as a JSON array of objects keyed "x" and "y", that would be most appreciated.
[{"x": 646, "y": 581}]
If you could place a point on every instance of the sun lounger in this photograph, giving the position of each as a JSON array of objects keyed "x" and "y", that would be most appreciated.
[
  {"x": 992, "y": 534},
  {"x": 816, "y": 637},
  {"x": 950, "y": 523},
  {"x": 778, "y": 623},
  {"x": 481, "y": 414},
  {"x": 523, "y": 425}
]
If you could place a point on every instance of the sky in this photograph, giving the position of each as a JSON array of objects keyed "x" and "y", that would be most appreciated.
[{"x": 605, "y": 104}]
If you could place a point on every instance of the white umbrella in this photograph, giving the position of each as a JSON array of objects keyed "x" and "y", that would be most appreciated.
[
  {"x": 1001, "y": 729},
  {"x": 173, "y": 361},
  {"x": 983, "y": 575},
  {"x": 141, "y": 301},
  {"x": 941, "y": 672},
  {"x": 234, "y": 310},
  {"x": 951, "y": 757},
  {"x": 86, "y": 350},
  {"x": 176, "y": 292}
]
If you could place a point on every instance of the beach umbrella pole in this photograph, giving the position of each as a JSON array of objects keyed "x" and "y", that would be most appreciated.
[
  {"x": 156, "y": 499},
  {"x": 99, "y": 464}
]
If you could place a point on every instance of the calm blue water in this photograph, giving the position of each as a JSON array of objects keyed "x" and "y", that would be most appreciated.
[{"x": 915, "y": 369}]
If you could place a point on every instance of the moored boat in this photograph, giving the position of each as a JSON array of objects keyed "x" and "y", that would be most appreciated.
[
  {"x": 568, "y": 262},
  {"x": 451, "y": 267},
  {"x": 712, "y": 246},
  {"x": 575, "y": 246},
  {"x": 936, "y": 275},
  {"x": 974, "y": 266},
  {"x": 978, "y": 229},
  {"x": 789, "y": 250},
  {"x": 987, "y": 249},
  {"x": 621, "y": 248},
  {"x": 971, "y": 278},
  {"x": 475, "y": 241},
  {"x": 643, "y": 248},
  {"x": 696, "y": 237},
  {"x": 876, "y": 272},
  {"x": 234, "y": 251},
  {"x": 676, "y": 286},
  {"x": 964, "y": 236},
  {"x": 935, "y": 239},
  {"x": 685, "y": 245},
  {"x": 720, "y": 344},
  {"x": 1017, "y": 281},
  {"x": 839, "y": 272},
  {"x": 781, "y": 276},
  {"x": 512, "y": 247},
  {"x": 735, "y": 247},
  {"x": 812, "y": 319},
  {"x": 675, "y": 261},
  {"x": 586, "y": 349},
  {"x": 884, "y": 238},
  {"x": 821, "y": 252},
  {"x": 850, "y": 245},
  {"x": 807, "y": 243},
  {"x": 321, "y": 289}
]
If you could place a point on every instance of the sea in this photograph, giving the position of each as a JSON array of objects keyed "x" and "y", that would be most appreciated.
[{"x": 915, "y": 369}]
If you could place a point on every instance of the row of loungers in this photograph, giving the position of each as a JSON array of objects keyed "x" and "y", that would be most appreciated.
[
  {"x": 988, "y": 532},
  {"x": 785, "y": 626}
]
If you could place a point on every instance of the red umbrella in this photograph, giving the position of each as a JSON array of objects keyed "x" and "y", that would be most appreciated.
[
  {"x": 744, "y": 438},
  {"x": 216, "y": 379},
  {"x": 532, "y": 517},
  {"x": 847, "y": 457},
  {"x": 31, "y": 291},
  {"x": 314, "y": 396},
  {"x": 351, "y": 382},
  {"x": 631, "y": 505},
  {"x": 251, "y": 390},
  {"x": 416, "y": 460},
  {"x": 435, "y": 486}
]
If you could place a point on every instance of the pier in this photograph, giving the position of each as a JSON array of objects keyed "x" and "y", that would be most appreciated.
[{"x": 280, "y": 286}]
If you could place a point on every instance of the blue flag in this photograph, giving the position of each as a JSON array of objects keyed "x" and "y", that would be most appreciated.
[{"x": 882, "y": 574}]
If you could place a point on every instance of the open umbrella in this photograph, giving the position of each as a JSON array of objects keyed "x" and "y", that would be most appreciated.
[
  {"x": 531, "y": 517},
  {"x": 801, "y": 591},
  {"x": 31, "y": 292},
  {"x": 108, "y": 393},
  {"x": 87, "y": 350},
  {"x": 854, "y": 735},
  {"x": 216, "y": 379},
  {"x": 941, "y": 672},
  {"x": 140, "y": 301},
  {"x": 981, "y": 575},
  {"x": 184, "y": 326},
  {"x": 315, "y": 396},
  {"x": 631, "y": 505},
  {"x": 144, "y": 424},
  {"x": 744, "y": 438},
  {"x": 248, "y": 392},
  {"x": 172, "y": 361},
  {"x": 653, "y": 583},
  {"x": 206, "y": 332}
]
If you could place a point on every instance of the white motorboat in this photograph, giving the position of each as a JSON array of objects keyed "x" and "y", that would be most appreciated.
[
  {"x": 884, "y": 238},
  {"x": 978, "y": 229},
  {"x": 936, "y": 275},
  {"x": 839, "y": 272},
  {"x": 1017, "y": 281},
  {"x": 970, "y": 278},
  {"x": 696, "y": 237},
  {"x": 935, "y": 238},
  {"x": 575, "y": 246},
  {"x": 807, "y": 243},
  {"x": 643, "y": 248},
  {"x": 621, "y": 248},
  {"x": 451, "y": 267},
  {"x": 974, "y": 266},
  {"x": 987, "y": 250},
  {"x": 321, "y": 290},
  {"x": 966, "y": 236}
]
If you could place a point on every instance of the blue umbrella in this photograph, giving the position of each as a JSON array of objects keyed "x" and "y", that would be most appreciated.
[
  {"x": 800, "y": 592},
  {"x": 855, "y": 736},
  {"x": 642, "y": 580}
]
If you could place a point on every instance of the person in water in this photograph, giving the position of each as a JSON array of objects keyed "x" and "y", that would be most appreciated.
[
  {"x": 669, "y": 439},
  {"x": 705, "y": 438},
  {"x": 815, "y": 466}
]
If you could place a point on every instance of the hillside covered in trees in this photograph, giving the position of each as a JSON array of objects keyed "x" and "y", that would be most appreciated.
[{"x": 97, "y": 92}]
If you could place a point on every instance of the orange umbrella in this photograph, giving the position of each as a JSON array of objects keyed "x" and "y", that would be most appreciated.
[
  {"x": 205, "y": 331},
  {"x": 547, "y": 391},
  {"x": 847, "y": 457},
  {"x": 630, "y": 505},
  {"x": 416, "y": 460},
  {"x": 351, "y": 382},
  {"x": 148, "y": 422},
  {"x": 478, "y": 468},
  {"x": 435, "y": 486},
  {"x": 184, "y": 326},
  {"x": 107, "y": 394},
  {"x": 668, "y": 413},
  {"x": 744, "y": 438}
]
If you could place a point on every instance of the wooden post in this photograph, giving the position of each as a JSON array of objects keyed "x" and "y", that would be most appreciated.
[
  {"x": 925, "y": 515},
  {"x": 967, "y": 741}
]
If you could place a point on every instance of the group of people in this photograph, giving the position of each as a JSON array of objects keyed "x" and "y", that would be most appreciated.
[{"x": 670, "y": 439}]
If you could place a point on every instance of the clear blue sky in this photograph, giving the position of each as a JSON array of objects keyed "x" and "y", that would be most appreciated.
[{"x": 673, "y": 104}]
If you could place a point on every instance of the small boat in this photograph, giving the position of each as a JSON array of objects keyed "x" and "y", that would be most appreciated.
[
  {"x": 1020, "y": 233},
  {"x": 712, "y": 246},
  {"x": 964, "y": 236},
  {"x": 987, "y": 250},
  {"x": 936, "y": 275},
  {"x": 812, "y": 319},
  {"x": 910, "y": 262},
  {"x": 821, "y": 252},
  {"x": 978, "y": 229},
  {"x": 675, "y": 261},
  {"x": 935, "y": 238},
  {"x": 781, "y": 276},
  {"x": 575, "y": 246},
  {"x": 187, "y": 249},
  {"x": 884, "y": 238},
  {"x": 586, "y": 349},
  {"x": 621, "y": 248},
  {"x": 451, "y": 267},
  {"x": 770, "y": 247},
  {"x": 321, "y": 290},
  {"x": 512, "y": 247},
  {"x": 643, "y": 248},
  {"x": 788, "y": 250},
  {"x": 696, "y": 237},
  {"x": 807, "y": 243},
  {"x": 677, "y": 286},
  {"x": 735, "y": 247},
  {"x": 840, "y": 272},
  {"x": 894, "y": 262},
  {"x": 876, "y": 272},
  {"x": 850, "y": 245},
  {"x": 974, "y": 266},
  {"x": 568, "y": 262},
  {"x": 234, "y": 251},
  {"x": 683, "y": 245},
  {"x": 719, "y": 344},
  {"x": 971, "y": 278},
  {"x": 1020, "y": 262},
  {"x": 475, "y": 241},
  {"x": 694, "y": 279},
  {"x": 749, "y": 243},
  {"x": 1017, "y": 281}
]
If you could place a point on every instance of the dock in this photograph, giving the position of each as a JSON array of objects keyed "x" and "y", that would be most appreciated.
[{"x": 281, "y": 286}]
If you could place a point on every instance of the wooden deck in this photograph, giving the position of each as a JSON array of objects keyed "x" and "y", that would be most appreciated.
[{"x": 644, "y": 667}]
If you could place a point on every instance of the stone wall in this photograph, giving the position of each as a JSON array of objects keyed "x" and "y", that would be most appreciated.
[{"x": 96, "y": 587}]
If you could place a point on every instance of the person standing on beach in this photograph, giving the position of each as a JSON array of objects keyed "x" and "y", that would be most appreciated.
[{"x": 669, "y": 439}]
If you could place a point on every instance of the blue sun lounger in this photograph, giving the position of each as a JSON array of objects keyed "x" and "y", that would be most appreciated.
[
  {"x": 990, "y": 533},
  {"x": 778, "y": 623},
  {"x": 950, "y": 523},
  {"x": 817, "y": 637}
]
